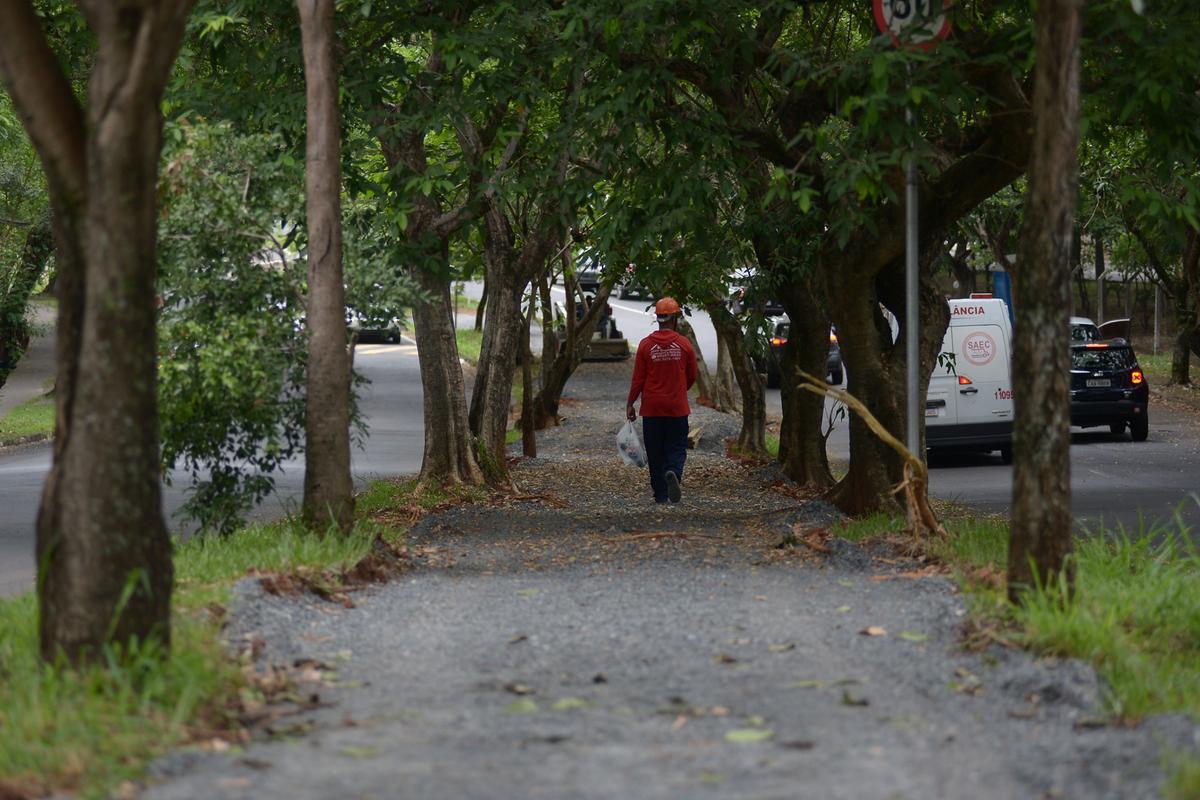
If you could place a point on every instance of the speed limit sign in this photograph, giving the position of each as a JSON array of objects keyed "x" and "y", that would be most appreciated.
[{"x": 916, "y": 22}]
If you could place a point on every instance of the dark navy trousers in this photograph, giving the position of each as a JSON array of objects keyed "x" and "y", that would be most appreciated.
[{"x": 666, "y": 449}]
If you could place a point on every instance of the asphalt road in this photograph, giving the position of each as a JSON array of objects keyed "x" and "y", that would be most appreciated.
[{"x": 391, "y": 403}]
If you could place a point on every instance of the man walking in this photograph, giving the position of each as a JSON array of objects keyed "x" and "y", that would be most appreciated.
[{"x": 664, "y": 371}]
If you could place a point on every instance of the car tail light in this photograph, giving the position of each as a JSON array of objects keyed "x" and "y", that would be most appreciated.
[
  {"x": 1136, "y": 377},
  {"x": 832, "y": 337},
  {"x": 963, "y": 380},
  {"x": 778, "y": 341}
]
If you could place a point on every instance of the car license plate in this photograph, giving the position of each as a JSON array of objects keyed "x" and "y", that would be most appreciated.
[
  {"x": 932, "y": 412},
  {"x": 1098, "y": 382}
]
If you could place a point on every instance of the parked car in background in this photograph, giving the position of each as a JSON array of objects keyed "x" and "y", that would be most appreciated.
[
  {"x": 607, "y": 342},
  {"x": 365, "y": 329},
  {"x": 1109, "y": 388},
  {"x": 772, "y": 356}
]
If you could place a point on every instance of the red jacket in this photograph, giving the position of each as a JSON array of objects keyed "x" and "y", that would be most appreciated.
[{"x": 664, "y": 371}]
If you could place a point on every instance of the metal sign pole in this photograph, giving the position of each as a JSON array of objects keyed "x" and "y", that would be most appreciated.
[{"x": 911, "y": 302}]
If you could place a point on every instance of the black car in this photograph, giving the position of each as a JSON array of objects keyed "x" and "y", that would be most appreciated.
[
  {"x": 1109, "y": 388},
  {"x": 769, "y": 363}
]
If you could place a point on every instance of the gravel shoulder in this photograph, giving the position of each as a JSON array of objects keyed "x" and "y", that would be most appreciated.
[{"x": 577, "y": 641}]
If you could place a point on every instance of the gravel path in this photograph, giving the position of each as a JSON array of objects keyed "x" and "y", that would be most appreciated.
[{"x": 589, "y": 644}]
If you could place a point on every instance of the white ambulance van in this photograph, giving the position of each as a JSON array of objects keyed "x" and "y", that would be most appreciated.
[{"x": 970, "y": 399}]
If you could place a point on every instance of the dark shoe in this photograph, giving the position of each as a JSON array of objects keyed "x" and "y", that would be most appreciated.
[{"x": 673, "y": 487}]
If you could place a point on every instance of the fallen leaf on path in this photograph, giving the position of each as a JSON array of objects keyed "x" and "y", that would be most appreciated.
[
  {"x": 783, "y": 647},
  {"x": 842, "y": 609},
  {"x": 873, "y": 630},
  {"x": 850, "y": 700},
  {"x": 845, "y": 582},
  {"x": 528, "y": 592},
  {"x": 725, "y": 658},
  {"x": 518, "y": 688},
  {"x": 719, "y": 711},
  {"x": 354, "y": 751},
  {"x": 679, "y": 722},
  {"x": 711, "y": 777},
  {"x": 570, "y": 703},
  {"x": 518, "y": 639},
  {"x": 748, "y": 735},
  {"x": 913, "y": 636},
  {"x": 807, "y": 684},
  {"x": 522, "y": 706}
]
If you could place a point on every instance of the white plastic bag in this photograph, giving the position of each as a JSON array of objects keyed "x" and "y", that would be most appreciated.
[{"x": 629, "y": 445}]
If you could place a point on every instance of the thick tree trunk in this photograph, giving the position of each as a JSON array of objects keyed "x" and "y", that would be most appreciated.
[
  {"x": 491, "y": 395},
  {"x": 328, "y": 486},
  {"x": 874, "y": 376},
  {"x": 801, "y": 443},
  {"x": 449, "y": 457},
  {"x": 103, "y": 552},
  {"x": 752, "y": 438},
  {"x": 1041, "y": 528}
]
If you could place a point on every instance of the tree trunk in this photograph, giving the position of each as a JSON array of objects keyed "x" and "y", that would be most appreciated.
[
  {"x": 726, "y": 397},
  {"x": 801, "y": 442},
  {"x": 102, "y": 546},
  {"x": 491, "y": 394},
  {"x": 528, "y": 439},
  {"x": 1041, "y": 527},
  {"x": 752, "y": 438},
  {"x": 874, "y": 376},
  {"x": 448, "y": 458},
  {"x": 549, "y": 339},
  {"x": 704, "y": 383},
  {"x": 328, "y": 486}
]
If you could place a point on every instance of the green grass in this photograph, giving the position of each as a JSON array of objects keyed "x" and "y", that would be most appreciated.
[
  {"x": 33, "y": 417},
  {"x": 469, "y": 343},
  {"x": 87, "y": 730},
  {"x": 773, "y": 446}
]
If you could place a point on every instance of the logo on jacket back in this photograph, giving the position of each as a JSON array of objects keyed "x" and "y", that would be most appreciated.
[{"x": 672, "y": 352}]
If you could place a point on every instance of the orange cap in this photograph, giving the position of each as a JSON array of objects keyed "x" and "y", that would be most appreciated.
[{"x": 667, "y": 305}]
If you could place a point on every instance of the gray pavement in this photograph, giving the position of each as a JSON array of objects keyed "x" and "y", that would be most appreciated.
[{"x": 598, "y": 647}]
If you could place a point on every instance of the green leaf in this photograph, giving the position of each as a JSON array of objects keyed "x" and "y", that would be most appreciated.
[
  {"x": 522, "y": 706},
  {"x": 365, "y": 751},
  {"x": 570, "y": 703},
  {"x": 528, "y": 592},
  {"x": 912, "y": 636},
  {"x": 748, "y": 735}
]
